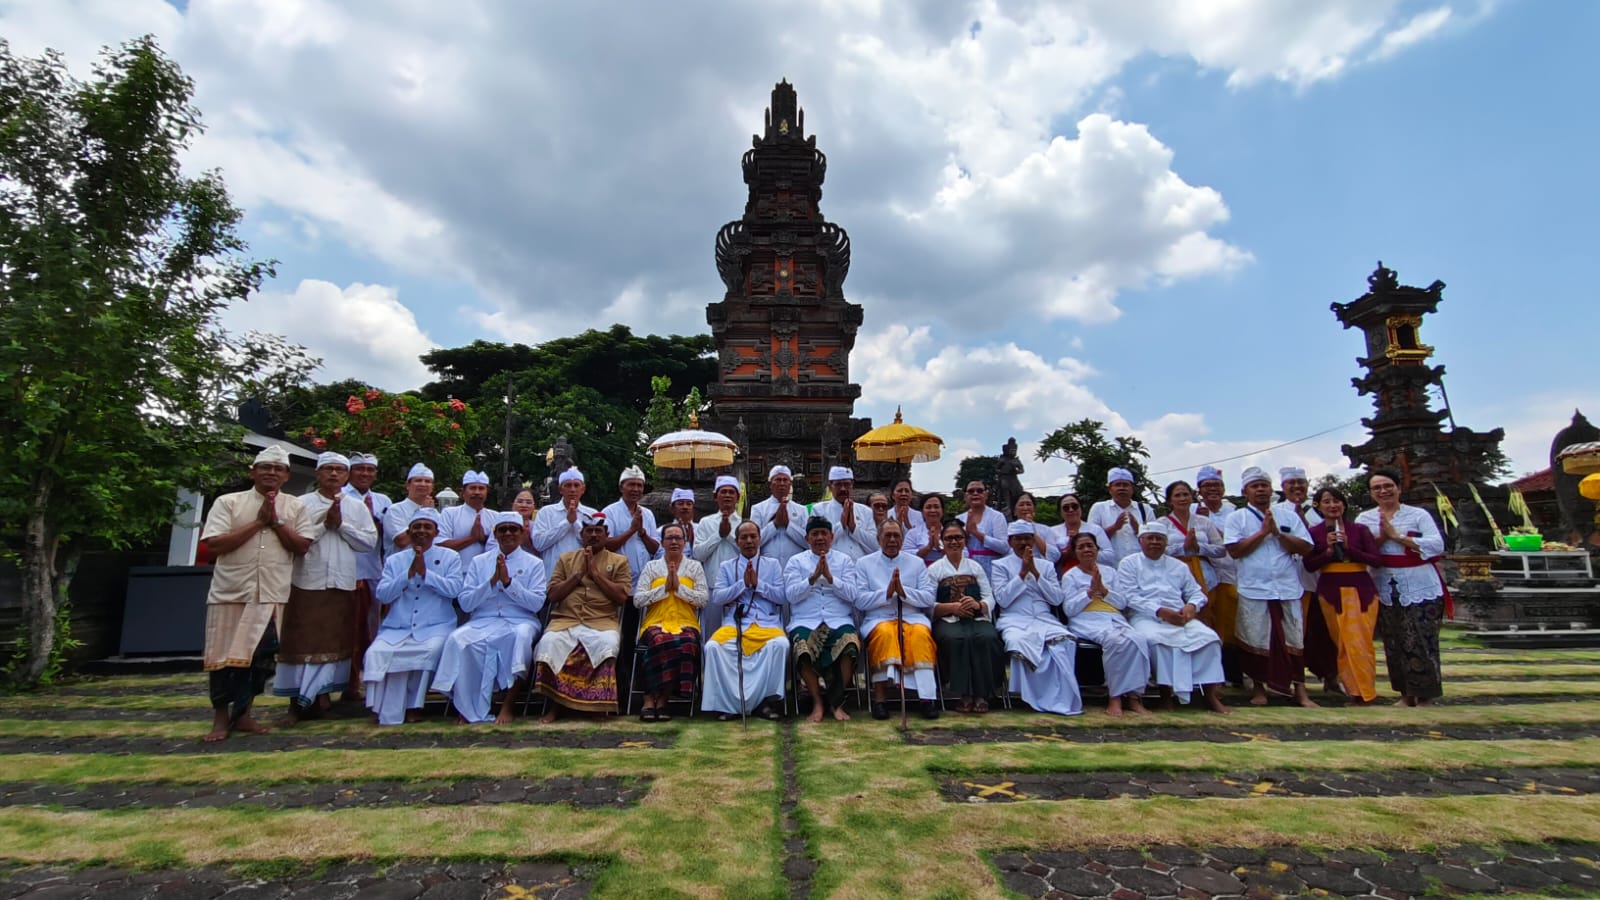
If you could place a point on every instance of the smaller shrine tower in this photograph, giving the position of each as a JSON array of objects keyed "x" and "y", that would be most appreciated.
[{"x": 1407, "y": 432}]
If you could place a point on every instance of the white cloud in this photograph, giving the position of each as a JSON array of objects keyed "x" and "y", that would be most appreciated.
[
  {"x": 1419, "y": 28},
  {"x": 360, "y": 331}
]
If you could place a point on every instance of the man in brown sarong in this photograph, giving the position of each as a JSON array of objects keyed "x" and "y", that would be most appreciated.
[
  {"x": 576, "y": 658},
  {"x": 314, "y": 649},
  {"x": 254, "y": 536}
]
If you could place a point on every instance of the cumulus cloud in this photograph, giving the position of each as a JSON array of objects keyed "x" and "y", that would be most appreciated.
[{"x": 360, "y": 331}]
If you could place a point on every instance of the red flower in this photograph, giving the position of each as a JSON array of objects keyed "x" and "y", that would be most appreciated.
[
  {"x": 457, "y": 405},
  {"x": 319, "y": 443},
  {"x": 438, "y": 413},
  {"x": 308, "y": 432},
  {"x": 338, "y": 432},
  {"x": 373, "y": 395},
  {"x": 455, "y": 426},
  {"x": 354, "y": 405}
]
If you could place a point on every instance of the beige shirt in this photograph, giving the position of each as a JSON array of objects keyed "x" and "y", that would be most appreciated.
[
  {"x": 587, "y": 604},
  {"x": 260, "y": 570}
]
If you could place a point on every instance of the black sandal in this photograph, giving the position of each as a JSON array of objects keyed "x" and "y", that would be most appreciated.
[{"x": 648, "y": 714}]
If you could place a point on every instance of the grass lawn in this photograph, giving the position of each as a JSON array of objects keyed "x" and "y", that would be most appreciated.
[{"x": 868, "y": 809}]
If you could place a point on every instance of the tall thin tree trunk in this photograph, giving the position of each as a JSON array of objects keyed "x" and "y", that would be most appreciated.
[{"x": 38, "y": 577}]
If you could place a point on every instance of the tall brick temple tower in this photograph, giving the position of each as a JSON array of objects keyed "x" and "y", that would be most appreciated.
[
  {"x": 783, "y": 329},
  {"x": 1407, "y": 432}
]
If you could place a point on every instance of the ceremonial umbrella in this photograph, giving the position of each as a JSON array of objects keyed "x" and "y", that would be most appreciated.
[
  {"x": 692, "y": 448},
  {"x": 898, "y": 442}
]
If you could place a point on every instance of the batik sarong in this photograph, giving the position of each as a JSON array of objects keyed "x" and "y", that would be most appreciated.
[
  {"x": 1411, "y": 647},
  {"x": 1271, "y": 640},
  {"x": 235, "y": 688},
  {"x": 825, "y": 646},
  {"x": 580, "y": 685},
  {"x": 671, "y": 660}
]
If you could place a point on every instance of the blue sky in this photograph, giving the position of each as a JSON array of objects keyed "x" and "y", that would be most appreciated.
[{"x": 1145, "y": 200}]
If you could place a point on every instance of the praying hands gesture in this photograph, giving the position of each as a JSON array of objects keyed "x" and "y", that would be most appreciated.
[
  {"x": 821, "y": 571},
  {"x": 1269, "y": 525},
  {"x": 501, "y": 575},
  {"x": 750, "y": 579},
  {"x": 335, "y": 516},
  {"x": 268, "y": 514},
  {"x": 1028, "y": 567},
  {"x": 726, "y": 526},
  {"x": 781, "y": 517},
  {"x": 847, "y": 515},
  {"x": 896, "y": 589},
  {"x": 672, "y": 575},
  {"x": 1191, "y": 541},
  {"x": 572, "y": 509},
  {"x": 419, "y": 565},
  {"x": 478, "y": 534}
]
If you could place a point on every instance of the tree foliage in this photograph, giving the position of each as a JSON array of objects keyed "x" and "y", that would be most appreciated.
[
  {"x": 977, "y": 468},
  {"x": 400, "y": 429},
  {"x": 1085, "y": 444},
  {"x": 114, "y": 266}
]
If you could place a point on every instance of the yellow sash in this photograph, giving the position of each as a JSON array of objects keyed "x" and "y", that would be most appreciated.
[{"x": 672, "y": 613}]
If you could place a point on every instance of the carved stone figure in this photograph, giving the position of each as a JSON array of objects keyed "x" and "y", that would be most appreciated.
[{"x": 1008, "y": 472}]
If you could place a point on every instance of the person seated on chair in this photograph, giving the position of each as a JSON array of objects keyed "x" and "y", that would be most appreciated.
[
  {"x": 577, "y": 657},
  {"x": 1166, "y": 603},
  {"x": 419, "y": 586},
  {"x": 1043, "y": 653},
  {"x": 971, "y": 654},
  {"x": 1095, "y": 613},
  {"x": 504, "y": 593},
  {"x": 820, "y": 584},
  {"x": 894, "y": 600},
  {"x": 669, "y": 594},
  {"x": 749, "y": 589}
]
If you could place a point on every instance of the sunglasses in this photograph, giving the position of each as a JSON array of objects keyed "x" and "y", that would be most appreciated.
[
  {"x": 977, "y": 491},
  {"x": 1071, "y": 506}
]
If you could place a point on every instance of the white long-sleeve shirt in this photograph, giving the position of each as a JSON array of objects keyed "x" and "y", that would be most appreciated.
[
  {"x": 710, "y": 547},
  {"x": 780, "y": 543},
  {"x": 618, "y": 520},
  {"x": 553, "y": 535},
  {"x": 334, "y": 559},
  {"x": 1226, "y": 568},
  {"x": 1209, "y": 547},
  {"x": 991, "y": 544},
  {"x": 1125, "y": 541},
  {"x": 763, "y": 604},
  {"x": 421, "y": 608},
  {"x": 1146, "y": 584},
  {"x": 829, "y": 600},
  {"x": 1417, "y": 584},
  {"x": 369, "y": 565},
  {"x": 852, "y": 543},
  {"x": 455, "y": 522},
  {"x": 875, "y": 571},
  {"x": 942, "y": 569},
  {"x": 520, "y": 601}
]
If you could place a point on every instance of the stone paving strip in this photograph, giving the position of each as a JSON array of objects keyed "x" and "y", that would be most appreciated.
[
  {"x": 462, "y": 739},
  {"x": 408, "y": 880},
  {"x": 582, "y": 792},
  {"x": 1247, "y": 734},
  {"x": 1524, "y": 679},
  {"x": 1006, "y": 787},
  {"x": 1175, "y": 871}
]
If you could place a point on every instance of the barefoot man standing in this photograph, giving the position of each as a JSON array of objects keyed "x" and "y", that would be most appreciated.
[{"x": 254, "y": 536}]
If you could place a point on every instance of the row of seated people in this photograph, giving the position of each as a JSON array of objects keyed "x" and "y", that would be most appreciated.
[{"x": 816, "y": 607}]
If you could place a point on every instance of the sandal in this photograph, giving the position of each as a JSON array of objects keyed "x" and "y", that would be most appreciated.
[
  {"x": 980, "y": 706},
  {"x": 648, "y": 714}
]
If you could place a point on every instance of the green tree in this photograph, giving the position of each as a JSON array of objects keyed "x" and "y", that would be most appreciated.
[
  {"x": 114, "y": 266},
  {"x": 1085, "y": 443},
  {"x": 401, "y": 429}
]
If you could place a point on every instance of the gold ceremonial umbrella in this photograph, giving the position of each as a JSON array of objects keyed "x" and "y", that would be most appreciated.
[
  {"x": 899, "y": 443},
  {"x": 692, "y": 448}
]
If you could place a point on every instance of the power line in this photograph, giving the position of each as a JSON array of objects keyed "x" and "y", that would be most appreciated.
[{"x": 1213, "y": 462}]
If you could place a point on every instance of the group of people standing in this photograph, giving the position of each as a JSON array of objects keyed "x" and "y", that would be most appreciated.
[{"x": 346, "y": 590}]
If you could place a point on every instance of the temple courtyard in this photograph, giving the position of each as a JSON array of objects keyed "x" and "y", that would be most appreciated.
[{"x": 1496, "y": 790}]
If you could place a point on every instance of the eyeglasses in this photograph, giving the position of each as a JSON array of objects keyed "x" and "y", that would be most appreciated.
[
  {"x": 1071, "y": 506},
  {"x": 880, "y": 506},
  {"x": 977, "y": 490},
  {"x": 955, "y": 537}
]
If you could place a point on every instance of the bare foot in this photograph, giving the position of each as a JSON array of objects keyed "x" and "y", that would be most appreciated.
[
  {"x": 816, "y": 713},
  {"x": 1217, "y": 706},
  {"x": 1114, "y": 707},
  {"x": 1304, "y": 698},
  {"x": 839, "y": 714},
  {"x": 216, "y": 734},
  {"x": 1135, "y": 705},
  {"x": 549, "y": 715},
  {"x": 460, "y": 719},
  {"x": 1258, "y": 697},
  {"x": 413, "y": 715},
  {"x": 504, "y": 718},
  {"x": 249, "y": 725}
]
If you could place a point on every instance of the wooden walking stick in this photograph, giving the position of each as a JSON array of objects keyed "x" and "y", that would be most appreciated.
[
  {"x": 900, "y": 632},
  {"x": 738, "y": 637}
]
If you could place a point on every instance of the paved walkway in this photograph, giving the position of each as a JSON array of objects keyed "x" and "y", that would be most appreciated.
[
  {"x": 584, "y": 793},
  {"x": 1007, "y": 787},
  {"x": 417, "y": 880},
  {"x": 1174, "y": 871},
  {"x": 1247, "y": 734}
]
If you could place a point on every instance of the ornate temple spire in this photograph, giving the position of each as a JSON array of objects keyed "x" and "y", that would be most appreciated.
[{"x": 786, "y": 121}]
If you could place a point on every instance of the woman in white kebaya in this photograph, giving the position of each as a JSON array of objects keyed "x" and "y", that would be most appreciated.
[{"x": 1096, "y": 613}]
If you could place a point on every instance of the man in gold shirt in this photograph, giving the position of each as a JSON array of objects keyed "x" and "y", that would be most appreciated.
[{"x": 577, "y": 657}]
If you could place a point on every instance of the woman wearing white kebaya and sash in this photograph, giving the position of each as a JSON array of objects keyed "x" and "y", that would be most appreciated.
[
  {"x": 1196, "y": 541},
  {"x": 1166, "y": 603},
  {"x": 1043, "y": 652},
  {"x": 1096, "y": 613}
]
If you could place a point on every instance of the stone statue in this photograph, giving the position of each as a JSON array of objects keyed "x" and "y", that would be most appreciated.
[
  {"x": 559, "y": 458},
  {"x": 1577, "y": 512},
  {"x": 1007, "y": 474}
]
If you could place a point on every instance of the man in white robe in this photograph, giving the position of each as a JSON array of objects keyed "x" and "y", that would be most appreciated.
[
  {"x": 1043, "y": 652},
  {"x": 821, "y": 586},
  {"x": 985, "y": 527},
  {"x": 749, "y": 591},
  {"x": 782, "y": 521},
  {"x": 682, "y": 508},
  {"x": 369, "y": 566},
  {"x": 419, "y": 585},
  {"x": 558, "y": 528},
  {"x": 503, "y": 592},
  {"x": 854, "y": 535},
  {"x": 716, "y": 542},
  {"x": 1121, "y": 517},
  {"x": 314, "y": 642},
  {"x": 630, "y": 526},
  {"x": 895, "y": 594},
  {"x": 1222, "y": 606},
  {"x": 465, "y": 528},
  {"x": 397, "y": 519},
  {"x": 253, "y": 537},
  {"x": 1266, "y": 538},
  {"x": 1166, "y": 603}
]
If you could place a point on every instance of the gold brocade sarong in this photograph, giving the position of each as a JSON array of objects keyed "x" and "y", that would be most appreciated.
[
  {"x": 755, "y": 637},
  {"x": 234, "y": 630},
  {"x": 1351, "y": 628},
  {"x": 1221, "y": 613},
  {"x": 883, "y": 647}
]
